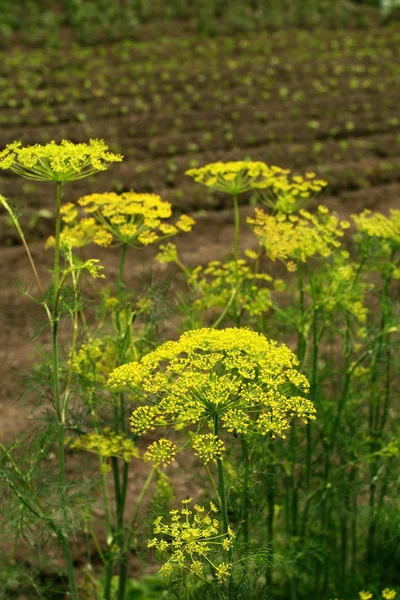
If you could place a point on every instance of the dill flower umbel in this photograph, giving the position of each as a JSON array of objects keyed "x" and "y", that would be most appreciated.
[
  {"x": 375, "y": 224},
  {"x": 298, "y": 237},
  {"x": 234, "y": 375},
  {"x": 214, "y": 284},
  {"x": 57, "y": 162},
  {"x": 107, "y": 444},
  {"x": 236, "y": 177},
  {"x": 130, "y": 218},
  {"x": 94, "y": 360},
  {"x": 191, "y": 542},
  {"x": 162, "y": 452},
  {"x": 288, "y": 194}
]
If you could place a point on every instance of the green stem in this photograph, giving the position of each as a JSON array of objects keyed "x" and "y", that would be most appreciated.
[
  {"x": 221, "y": 481},
  {"x": 378, "y": 415},
  {"x": 60, "y": 409},
  {"x": 138, "y": 506},
  {"x": 211, "y": 478},
  {"x": 246, "y": 499},
  {"x": 313, "y": 395},
  {"x": 120, "y": 281},
  {"x": 28, "y": 252},
  {"x": 121, "y": 480},
  {"x": 222, "y": 497},
  {"x": 236, "y": 254},
  {"x": 56, "y": 272}
]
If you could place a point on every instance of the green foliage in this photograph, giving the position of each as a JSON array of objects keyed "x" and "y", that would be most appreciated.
[
  {"x": 94, "y": 19},
  {"x": 291, "y": 504}
]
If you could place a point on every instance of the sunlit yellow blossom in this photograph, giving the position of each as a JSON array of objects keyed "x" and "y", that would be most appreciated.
[
  {"x": 209, "y": 373},
  {"x": 375, "y": 224},
  {"x": 94, "y": 360},
  {"x": 196, "y": 568},
  {"x": 289, "y": 194},
  {"x": 208, "y": 447},
  {"x": 222, "y": 572},
  {"x": 185, "y": 223},
  {"x": 298, "y": 237},
  {"x": 389, "y": 594},
  {"x": 190, "y": 541},
  {"x": 128, "y": 218},
  {"x": 340, "y": 289},
  {"x": 167, "y": 253},
  {"x": 365, "y": 595},
  {"x": 236, "y": 177},
  {"x": 162, "y": 452},
  {"x": 215, "y": 282},
  {"x": 107, "y": 444},
  {"x": 57, "y": 162}
]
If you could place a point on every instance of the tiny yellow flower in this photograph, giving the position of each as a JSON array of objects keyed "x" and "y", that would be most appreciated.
[
  {"x": 236, "y": 177},
  {"x": 389, "y": 594},
  {"x": 128, "y": 218},
  {"x": 190, "y": 540},
  {"x": 234, "y": 374},
  {"x": 222, "y": 572},
  {"x": 162, "y": 452},
  {"x": 57, "y": 162},
  {"x": 107, "y": 444},
  {"x": 365, "y": 595}
]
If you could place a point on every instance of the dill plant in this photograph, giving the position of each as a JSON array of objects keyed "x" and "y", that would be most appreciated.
[
  {"x": 330, "y": 294},
  {"x": 58, "y": 163},
  {"x": 306, "y": 515}
]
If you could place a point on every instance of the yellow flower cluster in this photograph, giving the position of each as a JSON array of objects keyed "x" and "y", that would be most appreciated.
[
  {"x": 341, "y": 289},
  {"x": 298, "y": 237},
  {"x": 208, "y": 447},
  {"x": 237, "y": 177},
  {"x": 107, "y": 444},
  {"x": 129, "y": 218},
  {"x": 387, "y": 594},
  {"x": 162, "y": 452},
  {"x": 215, "y": 283},
  {"x": 95, "y": 359},
  {"x": 375, "y": 224},
  {"x": 191, "y": 540},
  {"x": 283, "y": 192},
  {"x": 290, "y": 194},
  {"x": 233, "y": 374},
  {"x": 57, "y": 162}
]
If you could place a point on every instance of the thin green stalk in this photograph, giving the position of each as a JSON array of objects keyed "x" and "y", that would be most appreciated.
[
  {"x": 292, "y": 515},
  {"x": 120, "y": 281},
  {"x": 28, "y": 252},
  {"x": 56, "y": 271},
  {"x": 60, "y": 410},
  {"x": 221, "y": 481},
  {"x": 138, "y": 506},
  {"x": 325, "y": 508},
  {"x": 236, "y": 253},
  {"x": 378, "y": 415},
  {"x": 271, "y": 511},
  {"x": 211, "y": 478},
  {"x": 121, "y": 479},
  {"x": 246, "y": 491},
  {"x": 222, "y": 497},
  {"x": 313, "y": 395}
]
